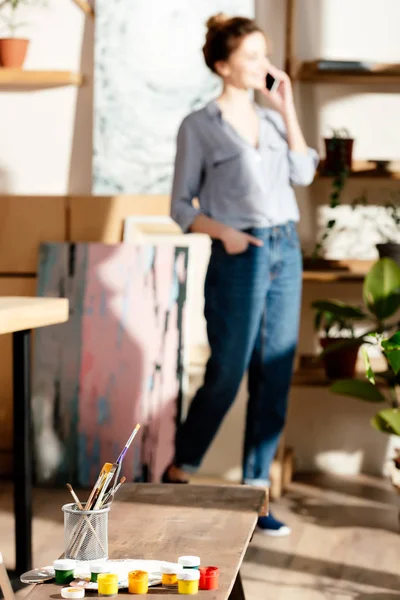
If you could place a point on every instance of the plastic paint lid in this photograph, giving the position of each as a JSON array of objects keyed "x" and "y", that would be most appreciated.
[
  {"x": 209, "y": 571},
  {"x": 64, "y": 564},
  {"x": 170, "y": 568},
  {"x": 99, "y": 568},
  {"x": 73, "y": 592},
  {"x": 189, "y": 561},
  {"x": 189, "y": 575}
]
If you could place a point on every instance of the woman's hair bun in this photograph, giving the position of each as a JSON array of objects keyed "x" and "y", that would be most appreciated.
[{"x": 216, "y": 21}]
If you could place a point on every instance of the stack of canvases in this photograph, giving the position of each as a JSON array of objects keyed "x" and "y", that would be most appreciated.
[{"x": 117, "y": 361}]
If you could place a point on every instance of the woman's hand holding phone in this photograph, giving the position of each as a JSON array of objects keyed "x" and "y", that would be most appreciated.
[{"x": 280, "y": 96}]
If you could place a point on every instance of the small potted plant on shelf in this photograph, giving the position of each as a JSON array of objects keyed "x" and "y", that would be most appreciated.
[
  {"x": 338, "y": 163},
  {"x": 335, "y": 321},
  {"x": 338, "y": 152},
  {"x": 13, "y": 49}
]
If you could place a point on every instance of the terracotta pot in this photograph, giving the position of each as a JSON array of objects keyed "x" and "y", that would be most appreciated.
[
  {"x": 13, "y": 52},
  {"x": 389, "y": 250},
  {"x": 339, "y": 154},
  {"x": 341, "y": 363}
]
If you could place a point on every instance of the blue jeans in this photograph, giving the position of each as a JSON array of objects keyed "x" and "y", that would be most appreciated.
[{"x": 252, "y": 306}]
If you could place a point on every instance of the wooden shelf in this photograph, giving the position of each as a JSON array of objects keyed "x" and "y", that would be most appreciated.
[
  {"x": 328, "y": 271},
  {"x": 18, "y": 78},
  {"x": 311, "y": 373},
  {"x": 364, "y": 169},
  {"x": 85, "y": 6},
  {"x": 382, "y": 74}
]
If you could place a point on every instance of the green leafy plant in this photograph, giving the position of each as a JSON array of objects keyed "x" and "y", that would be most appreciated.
[
  {"x": 388, "y": 419},
  {"x": 338, "y": 167},
  {"x": 10, "y": 13},
  {"x": 381, "y": 295}
]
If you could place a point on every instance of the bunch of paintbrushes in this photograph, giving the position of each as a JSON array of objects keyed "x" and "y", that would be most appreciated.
[{"x": 101, "y": 496}]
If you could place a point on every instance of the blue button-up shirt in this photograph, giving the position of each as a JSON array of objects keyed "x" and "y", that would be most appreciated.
[{"x": 236, "y": 183}]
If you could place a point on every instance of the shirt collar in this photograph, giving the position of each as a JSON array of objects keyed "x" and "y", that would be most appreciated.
[{"x": 213, "y": 110}]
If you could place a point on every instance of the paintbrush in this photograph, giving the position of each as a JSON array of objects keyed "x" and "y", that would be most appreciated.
[
  {"x": 98, "y": 485},
  {"x": 124, "y": 451},
  {"x": 128, "y": 443},
  {"x": 111, "y": 493},
  {"x": 5, "y": 584},
  {"x": 109, "y": 476}
]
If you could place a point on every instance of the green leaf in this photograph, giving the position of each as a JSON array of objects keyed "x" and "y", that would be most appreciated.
[
  {"x": 393, "y": 343},
  {"x": 394, "y": 360},
  {"x": 387, "y": 421},
  {"x": 382, "y": 288},
  {"x": 363, "y": 390},
  {"x": 369, "y": 372},
  {"x": 340, "y": 310}
]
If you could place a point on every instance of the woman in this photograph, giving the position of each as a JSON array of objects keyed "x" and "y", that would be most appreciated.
[{"x": 240, "y": 161}]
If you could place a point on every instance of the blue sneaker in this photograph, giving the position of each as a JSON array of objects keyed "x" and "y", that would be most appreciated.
[{"x": 271, "y": 526}]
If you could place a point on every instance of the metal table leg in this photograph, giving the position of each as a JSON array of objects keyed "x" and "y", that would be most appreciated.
[
  {"x": 237, "y": 592},
  {"x": 22, "y": 450}
]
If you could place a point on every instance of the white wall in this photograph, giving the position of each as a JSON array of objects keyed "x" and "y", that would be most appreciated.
[{"x": 46, "y": 134}]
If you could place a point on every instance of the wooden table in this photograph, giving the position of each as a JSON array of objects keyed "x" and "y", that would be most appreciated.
[
  {"x": 19, "y": 316},
  {"x": 162, "y": 522}
]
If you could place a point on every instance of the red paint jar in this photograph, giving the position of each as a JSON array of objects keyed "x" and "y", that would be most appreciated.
[{"x": 209, "y": 578}]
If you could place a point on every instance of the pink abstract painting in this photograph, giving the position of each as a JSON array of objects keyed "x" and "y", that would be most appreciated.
[{"x": 117, "y": 362}]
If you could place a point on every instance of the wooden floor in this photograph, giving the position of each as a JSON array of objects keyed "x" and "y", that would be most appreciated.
[{"x": 345, "y": 542}]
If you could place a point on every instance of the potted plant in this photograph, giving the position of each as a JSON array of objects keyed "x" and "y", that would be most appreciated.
[
  {"x": 338, "y": 152},
  {"x": 13, "y": 49},
  {"x": 338, "y": 163},
  {"x": 391, "y": 247},
  {"x": 388, "y": 419},
  {"x": 335, "y": 320}
]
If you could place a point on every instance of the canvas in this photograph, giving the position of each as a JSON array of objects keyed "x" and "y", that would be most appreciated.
[{"x": 115, "y": 363}]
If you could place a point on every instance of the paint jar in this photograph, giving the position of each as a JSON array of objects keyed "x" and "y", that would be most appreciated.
[
  {"x": 209, "y": 578},
  {"x": 96, "y": 568},
  {"x": 107, "y": 584},
  {"x": 64, "y": 570},
  {"x": 85, "y": 533},
  {"x": 169, "y": 575},
  {"x": 189, "y": 562},
  {"x": 73, "y": 592},
  {"x": 138, "y": 582},
  {"x": 188, "y": 581}
]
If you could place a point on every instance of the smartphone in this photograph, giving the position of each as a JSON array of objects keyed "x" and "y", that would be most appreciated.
[{"x": 271, "y": 83}]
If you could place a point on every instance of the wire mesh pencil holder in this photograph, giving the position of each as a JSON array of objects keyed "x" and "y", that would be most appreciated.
[{"x": 85, "y": 532}]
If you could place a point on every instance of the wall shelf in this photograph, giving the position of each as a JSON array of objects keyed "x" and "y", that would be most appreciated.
[
  {"x": 329, "y": 271},
  {"x": 18, "y": 78},
  {"x": 310, "y": 372},
  {"x": 382, "y": 74},
  {"x": 85, "y": 6},
  {"x": 363, "y": 169}
]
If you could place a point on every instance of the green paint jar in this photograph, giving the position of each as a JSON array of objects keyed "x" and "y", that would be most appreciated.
[
  {"x": 64, "y": 570},
  {"x": 96, "y": 568},
  {"x": 189, "y": 562}
]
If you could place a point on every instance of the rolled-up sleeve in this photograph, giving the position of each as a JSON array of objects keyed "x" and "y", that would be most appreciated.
[
  {"x": 187, "y": 176},
  {"x": 303, "y": 166}
]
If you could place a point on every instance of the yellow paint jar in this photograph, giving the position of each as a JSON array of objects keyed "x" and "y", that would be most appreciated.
[
  {"x": 169, "y": 575},
  {"x": 138, "y": 582},
  {"x": 188, "y": 582},
  {"x": 107, "y": 584}
]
